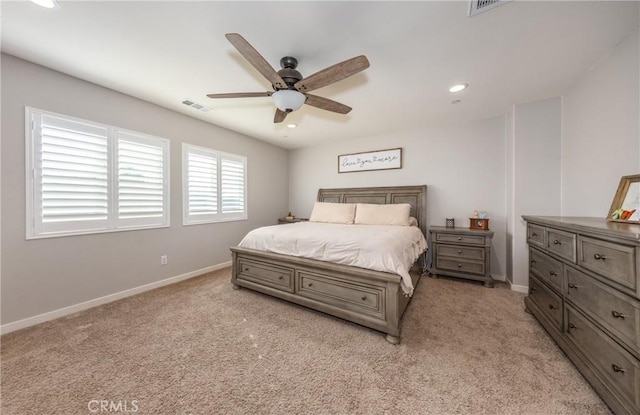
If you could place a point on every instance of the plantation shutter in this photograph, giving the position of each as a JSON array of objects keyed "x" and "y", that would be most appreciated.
[
  {"x": 141, "y": 180},
  {"x": 202, "y": 183},
  {"x": 232, "y": 188},
  {"x": 71, "y": 169}
]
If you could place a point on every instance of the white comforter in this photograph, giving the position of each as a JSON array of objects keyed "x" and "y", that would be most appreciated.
[{"x": 391, "y": 249}]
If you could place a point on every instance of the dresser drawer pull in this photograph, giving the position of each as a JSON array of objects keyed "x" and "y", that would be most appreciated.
[
  {"x": 532, "y": 289},
  {"x": 280, "y": 277},
  {"x": 364, "y": 297},
  {"x": 459, "y": 265},
  {"x": 572, "y": 285},
  {"x": 534, "y": 234},
  {"x": 617, "y": 368},
  {"x": 245, "y": 269},
  {"x": 459, "y": 238},
  {"x": 552, "y": 307},
  {"x": 310, "y": 284},
  {"x": 557, "y": 242},
  {"x": 459, "y": 251},
  {"x": 572, "y": 326},
  {"x": 533, "y": 261},
  {"x": 553, "y": 273},
  {"x": 598, "y": 256},
  {"x": 617, "y": 314}
]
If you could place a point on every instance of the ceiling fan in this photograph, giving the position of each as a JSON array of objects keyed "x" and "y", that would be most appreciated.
[{"x": 290, "y": 89}]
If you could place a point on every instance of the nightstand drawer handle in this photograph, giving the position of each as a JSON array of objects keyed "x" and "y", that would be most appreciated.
[
  {"x": 459, "y": 251},
  {"x": 617, "y": 368},
  {"x": 459, "y": 238},
  {"x": 533, "y": 261},
  {"x": 600, "y": 257},
  {"x": 572, "y": 285},
  {"x": 364, "y": 297},
  {"x": 310, "y": 284},
  {"x": 572, "y": 326},
  {"x": 534, "y": 234},
  {"x": 557, "y": 242},
  {"x": 553, "y": 273},
  {"x": 617, "y": 314},
  {"x": 459, "y": 265},
  {"x": 245, "y": 269},
  {"x": 532, "y": 289},
  {"x": 280, "y": 277},
  {"x": 552, "y": 307}
]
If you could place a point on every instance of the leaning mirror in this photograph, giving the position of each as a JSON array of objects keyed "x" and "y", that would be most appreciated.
[{"x": 626, "y": 203}]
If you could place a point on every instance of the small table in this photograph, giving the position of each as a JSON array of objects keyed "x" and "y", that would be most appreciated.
[
  {"x": 462, "y": 253},
  {"x": 294, "y": 220}
]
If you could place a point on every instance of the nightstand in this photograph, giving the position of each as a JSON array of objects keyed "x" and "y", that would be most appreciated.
[
  {"x": 294, "y": 220},
  {"x": 461, "y": 253}
]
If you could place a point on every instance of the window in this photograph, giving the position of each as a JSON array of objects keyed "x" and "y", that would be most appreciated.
[
  {"x": 214, "y": 186},
  {"x": 86, "y": 177}
]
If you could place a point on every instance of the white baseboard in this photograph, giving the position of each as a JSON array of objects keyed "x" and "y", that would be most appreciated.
[
  {"x": 519, "y": 288},
  {"x": 61, "y": 312}
]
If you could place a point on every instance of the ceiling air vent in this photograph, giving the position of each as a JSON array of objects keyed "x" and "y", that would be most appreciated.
[
  {"x": 195, "y": 105},
  {"x": 479, "y": 6}
]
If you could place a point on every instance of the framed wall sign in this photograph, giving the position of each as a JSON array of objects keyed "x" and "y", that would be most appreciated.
[{"x": 370, "y": 160}]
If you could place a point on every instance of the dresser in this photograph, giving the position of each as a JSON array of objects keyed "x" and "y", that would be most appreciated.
[
  {"x": 462, "y": 253},
  {"x": 584, "y": 289}
]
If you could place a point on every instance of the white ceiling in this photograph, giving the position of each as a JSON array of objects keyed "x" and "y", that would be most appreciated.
[{"x": 164, "y": 52}]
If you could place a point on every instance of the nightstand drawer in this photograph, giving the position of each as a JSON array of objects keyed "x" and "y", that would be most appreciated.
[
  {"x": 549, "y": 303},
  {"x": 460, "y": 265},
  {"x": 612, "y": 309},
  {"x": 607, "y": 356},
  {"x": 460, "y": 239},
  {"x": 460, "y": 251},
  {"x": 610, "y": 260},
  {"x": 562, "y": 244},
  {"x": 271, "y": 275},
  {"x": 535, "y": 235},
  {"x": 545, "y": 267}
]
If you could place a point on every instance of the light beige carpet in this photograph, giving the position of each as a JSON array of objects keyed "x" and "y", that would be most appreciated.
[{"x": 199, "y": 347}]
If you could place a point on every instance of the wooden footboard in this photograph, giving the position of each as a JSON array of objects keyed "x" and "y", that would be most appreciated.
[{"x": 371, "y": 298}]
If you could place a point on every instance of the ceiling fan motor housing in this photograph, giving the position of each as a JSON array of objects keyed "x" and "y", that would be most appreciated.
[{"x": 288, "y": 73}]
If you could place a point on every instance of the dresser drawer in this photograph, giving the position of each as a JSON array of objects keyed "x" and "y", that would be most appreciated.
[
  {"x": 535, "y": 235},
  {"x": 460, "y": 251},
  {"x": 363, "y": 299},
  {"x": 562, "y": 243},
  {"x": 609, "y": 358},
  {"x": 613, "y": 261},
  {"x": 270, "y": 275},
  {"x": 547, "y": 268},
  {"x": 547, "y": 301},
  {"x": 617, "y": 312},
  {"x": 460, "y": 239},
  {"x": 459, "y": 265}
]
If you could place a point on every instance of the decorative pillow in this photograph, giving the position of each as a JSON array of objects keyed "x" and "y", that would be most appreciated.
[
  {"x": 413, "y": 221},
  {"x": 372, "y": 214},
  {"x": 333, "y": 212}
]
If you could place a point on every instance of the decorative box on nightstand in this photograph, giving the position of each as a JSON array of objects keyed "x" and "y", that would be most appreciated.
[
  {"x": 461, "y": 253},
  {"x": 294, "y": 220}
]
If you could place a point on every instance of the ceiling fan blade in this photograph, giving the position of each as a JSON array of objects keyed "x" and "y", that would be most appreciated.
[
  {"x": 333, "y": 74},
  {"x": 279, "y": 116},
  {"x": 326, "y": 104},
  {"x": 241, "y": 95},
  {"x": 255, "y": 59}
]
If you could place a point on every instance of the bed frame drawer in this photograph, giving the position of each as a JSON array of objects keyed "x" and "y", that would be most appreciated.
[
  {"x": 270, "y": 275},
  {"x": 364, "y": 299}
]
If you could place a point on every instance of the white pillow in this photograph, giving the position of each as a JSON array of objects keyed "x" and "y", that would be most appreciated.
[
  {"x": 413, "y": 221},
  {"x": 333, "y": 212},
  {"x": 372, "y": 214}
]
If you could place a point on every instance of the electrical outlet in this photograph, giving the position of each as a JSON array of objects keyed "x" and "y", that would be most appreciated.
[{"x": 164, "y": 260}]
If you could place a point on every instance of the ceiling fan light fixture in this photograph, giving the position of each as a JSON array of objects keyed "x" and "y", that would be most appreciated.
[
  {"x": 49, "y": 4},
  {"x": 288, "y": 100}
]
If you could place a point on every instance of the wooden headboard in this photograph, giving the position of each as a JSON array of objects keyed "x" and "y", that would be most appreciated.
[{"x": 416, "y": 196}]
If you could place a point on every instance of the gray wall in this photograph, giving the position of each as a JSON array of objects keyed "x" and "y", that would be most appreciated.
[
  {"x": 40, "y": 276},
  {"x": 601, "y": 131},
  {"x": 462, "y": 165}
]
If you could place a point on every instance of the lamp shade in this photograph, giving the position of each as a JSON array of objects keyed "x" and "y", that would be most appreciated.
[{"x": 288, "y": 100}]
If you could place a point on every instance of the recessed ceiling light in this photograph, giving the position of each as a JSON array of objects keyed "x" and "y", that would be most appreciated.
[
  {"x": 292, "y": 125},
  {"x": 458, "y": 87},
  {"x": 455, "y": 101},
  {"x": 49, "y": 4}
]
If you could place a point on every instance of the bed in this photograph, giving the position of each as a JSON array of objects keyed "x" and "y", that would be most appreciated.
[{"x": 371, "y": 298}]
